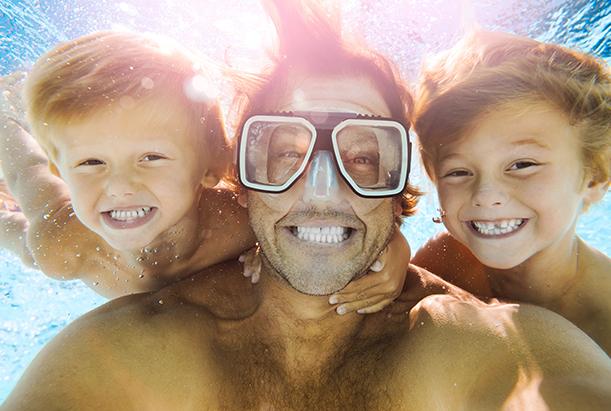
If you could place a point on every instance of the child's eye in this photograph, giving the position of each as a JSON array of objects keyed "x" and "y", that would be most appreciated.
[
  {"x": 458, "y": 173},
  {"x": 153, "y": 157},
  {"x": 522, "y": 164},
  {"x": 90, "y": 162}
]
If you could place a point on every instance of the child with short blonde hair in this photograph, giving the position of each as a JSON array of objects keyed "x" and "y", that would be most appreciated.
[
  {"x": 135, "y": 149},
  {"x": 515, "y": 135}
]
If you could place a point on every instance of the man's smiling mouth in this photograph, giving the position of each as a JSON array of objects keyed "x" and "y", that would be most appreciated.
[
  {"x": 497, "y": 228},
  {"x": 323, "y": 234}
]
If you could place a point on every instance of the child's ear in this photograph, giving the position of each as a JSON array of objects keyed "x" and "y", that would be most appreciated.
[
  {"x": 210, "y": 179},
  {"x": 54, "y": 170},
  {"x": 595, "y": 191}
]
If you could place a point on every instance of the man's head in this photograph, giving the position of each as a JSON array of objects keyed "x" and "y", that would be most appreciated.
[
  {"x": 319, "y": 234},
  {"x": 126, "y": 124}
]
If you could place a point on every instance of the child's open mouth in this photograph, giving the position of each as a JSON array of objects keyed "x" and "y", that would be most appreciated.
[
  {"x": 497, "y": 228},
  {"x": 128, "y": 218}
]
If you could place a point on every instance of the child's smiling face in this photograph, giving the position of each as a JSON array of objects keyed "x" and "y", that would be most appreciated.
[
  {"x": 133, "y": 173},
  {"x": 514, "y": 185}
]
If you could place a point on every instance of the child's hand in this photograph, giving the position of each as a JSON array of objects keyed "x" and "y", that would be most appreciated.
[
  {"x": 381, "y": 286},
  {"x": 11, "y": 103},
  {"x": 252, "y": 264}
]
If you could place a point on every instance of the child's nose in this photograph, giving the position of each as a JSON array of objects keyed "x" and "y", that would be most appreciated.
[
  {"x": 487, "y": 195},
  {"x": 119, "y": 186}
]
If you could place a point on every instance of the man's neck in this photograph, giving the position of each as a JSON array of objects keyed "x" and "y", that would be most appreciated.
[{"x": 309, "y": 337}]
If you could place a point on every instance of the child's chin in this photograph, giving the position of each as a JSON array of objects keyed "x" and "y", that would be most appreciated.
[
  {"x": 500, "y": 263},
  {"x": 128, "y": 245}
]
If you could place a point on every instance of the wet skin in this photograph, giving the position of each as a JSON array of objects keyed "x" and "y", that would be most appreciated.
[{"x": 214, "y": 341}]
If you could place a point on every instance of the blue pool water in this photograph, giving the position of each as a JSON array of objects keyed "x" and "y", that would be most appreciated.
[{"x": 33, "y": 308}]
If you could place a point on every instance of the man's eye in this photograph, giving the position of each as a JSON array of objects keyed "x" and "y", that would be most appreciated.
[
  {"x": 90, "y": 162},
  {"x": 153, "y": 157},
  {"x": 289, "y": 154},
  {"x": 519, "y": 165},
  {"x": 363, "y": 160}
]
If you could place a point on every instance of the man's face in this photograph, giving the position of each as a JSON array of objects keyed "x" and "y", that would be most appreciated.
[{"x": 320, "y": 236}]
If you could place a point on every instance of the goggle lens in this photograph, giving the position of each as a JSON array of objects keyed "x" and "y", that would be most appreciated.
[{"x": 371, "y": 155}]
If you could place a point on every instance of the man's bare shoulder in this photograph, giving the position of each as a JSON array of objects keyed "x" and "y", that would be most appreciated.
[
  {"x": 150, "y": 345},
  {"x": 483, "y": 354}
]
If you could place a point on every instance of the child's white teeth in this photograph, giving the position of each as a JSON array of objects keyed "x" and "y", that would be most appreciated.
[
  {"x": 125, "y": 215},
  {"x": 329, "y": 234},
  {"x": 498, "y": 227}
]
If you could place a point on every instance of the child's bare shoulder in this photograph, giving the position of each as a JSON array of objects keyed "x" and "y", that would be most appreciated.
[{"x": 592, "y": 295}]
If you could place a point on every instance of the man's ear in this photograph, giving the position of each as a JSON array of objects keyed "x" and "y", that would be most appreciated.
[
  {"x": 594, "y": 192},
  {"x": 210, "y": 179},
  {"x": 243, "y": 197},
  {"x": 397, "y": 208}
]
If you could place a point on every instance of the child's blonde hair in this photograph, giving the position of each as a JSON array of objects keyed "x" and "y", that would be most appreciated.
[
  {"x": 93, "y": 72},
  {"x": 488, "y": 69}
]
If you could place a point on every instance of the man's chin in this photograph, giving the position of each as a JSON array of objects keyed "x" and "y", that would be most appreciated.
[{"x": 317, "y": 277}]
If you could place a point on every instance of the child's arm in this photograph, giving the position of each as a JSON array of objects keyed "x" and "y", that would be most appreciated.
[
  {"x": 452, "y": 261},
  {"x": 13, "y": 227},
  {"x": 229, "y": 231},
  {"x": 382, "y": 286},
  {"x": 55, "y": 237}
]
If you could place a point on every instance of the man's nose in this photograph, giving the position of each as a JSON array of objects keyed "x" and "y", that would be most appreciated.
[
  {"x": 322, "y": 180},
  {"x": 488, "y": 194}
]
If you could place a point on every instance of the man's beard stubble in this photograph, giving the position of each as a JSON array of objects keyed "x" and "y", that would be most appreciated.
[{"x": 319, "y": 276}]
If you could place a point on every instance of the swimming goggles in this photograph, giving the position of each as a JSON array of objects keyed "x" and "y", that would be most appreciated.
[{"x": 371, "y": 153}]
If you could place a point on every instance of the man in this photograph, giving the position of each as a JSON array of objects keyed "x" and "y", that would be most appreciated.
[{"x": 317, "y": 166}]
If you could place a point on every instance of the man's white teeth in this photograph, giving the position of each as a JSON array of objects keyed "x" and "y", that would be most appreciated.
[
  {"x": 329, "y": 234},
  {"x": 125, "y": 215},
  {"x": 498, "y": 227}
]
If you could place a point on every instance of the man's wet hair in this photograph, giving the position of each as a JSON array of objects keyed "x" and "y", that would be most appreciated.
[{"x": 310, "y": 42}]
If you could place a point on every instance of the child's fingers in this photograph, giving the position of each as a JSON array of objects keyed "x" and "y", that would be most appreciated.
[
  {"x": 377, "y": 266},
  {"x": 255, "y": 268},
  {"x": 376, "y": 307},
  {"x": 363, "y": 284},
  {"x": 377, "y": 290},
  {"x": 347, "y": 295},
  {"x": 255, "y": 276},
  {"x": 252, "y": 264},
  {"x": 357, "y": 305}
]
